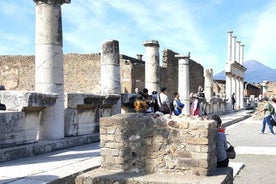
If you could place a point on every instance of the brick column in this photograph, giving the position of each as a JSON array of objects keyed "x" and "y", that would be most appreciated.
[{"x": 49, "y": 76}]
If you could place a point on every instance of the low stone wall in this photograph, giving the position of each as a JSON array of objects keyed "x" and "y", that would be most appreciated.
[
  {"x": 20, "y": 124},
  {"x": 158, "y": 144},
  {"x": 83, "y": 112}
]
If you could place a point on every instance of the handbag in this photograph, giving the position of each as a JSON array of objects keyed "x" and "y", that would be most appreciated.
[
  {"x": 231, "y": 153},
  {"x": 272, "y": 121}
]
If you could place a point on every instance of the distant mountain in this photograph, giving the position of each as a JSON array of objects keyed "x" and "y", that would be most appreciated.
[{"x": 256, "y": 72}]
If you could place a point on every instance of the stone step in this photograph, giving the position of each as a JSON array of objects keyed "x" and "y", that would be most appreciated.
[{"x": 46, "y": 146}]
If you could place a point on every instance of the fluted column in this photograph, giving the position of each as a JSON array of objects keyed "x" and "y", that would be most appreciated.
[
  {"x": 184, "y": 82},
  {"x": 238, "y": 102},
  {"x": 242, "y": 54},
  {"x": 152, "y": 81},
  {"x": 229, "y": 48},
  {"x": 234, "y": 88},
  {"x": 241, "y": 94},
  {"x": 110, "y": 72},
  {"x": 228, "y": 90},
  {"x": 49, "y": 75},
  {"x": 238, "y": 45},
  {"x": 234, "y": 38}
]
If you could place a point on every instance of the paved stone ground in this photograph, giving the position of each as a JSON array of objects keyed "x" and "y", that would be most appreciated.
[{"x": 257, "y": 152}]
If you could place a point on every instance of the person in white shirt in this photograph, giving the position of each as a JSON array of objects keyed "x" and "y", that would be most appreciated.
[{"x": 163, "y": 101}]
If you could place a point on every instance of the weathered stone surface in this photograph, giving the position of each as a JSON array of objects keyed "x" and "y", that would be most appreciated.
[
  {"x": 138, "y": 141},
  {"x": 19, "y": 100}
]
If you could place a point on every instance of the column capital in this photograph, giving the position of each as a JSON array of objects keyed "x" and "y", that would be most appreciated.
[
  {"x": 183, "y": 56},
  {"x": 151, "y": 43},
  {"x": 238, "y": 41},
  {"x": 230, "y": 31},
  {"x": 234, "y": 36},
  {"x": 53, "y": 1}
]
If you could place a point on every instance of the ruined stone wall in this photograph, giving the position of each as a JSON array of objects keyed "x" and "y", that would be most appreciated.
[
  {"x": 132, "y": 74},
  {"x": 169, "y": 74},
  {"x": 82, "y": 73},
  {"x": 17, "y": 72},
  {"x": 219, "y": 88},
  {"x": 143, "y": 143}
]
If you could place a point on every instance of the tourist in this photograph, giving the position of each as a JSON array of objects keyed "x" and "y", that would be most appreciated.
[
  {"x": 155, "y": 105},
  {"x": 274, "y": 105},
  {"x": 177, "y": 104},
  {"x": 221, "y": 144},
  {"x": 195, "y": 105},
  {"x": 149, "y": 100},
  {"x": 269, "y": 111},
  {"x": 163, "y": 101},
  {"x": 233, "y": 101}
]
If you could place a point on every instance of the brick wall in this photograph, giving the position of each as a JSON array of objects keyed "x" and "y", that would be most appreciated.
[{"x": 139, "y": 142}]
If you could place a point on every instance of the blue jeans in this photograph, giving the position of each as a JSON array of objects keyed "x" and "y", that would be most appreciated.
[{"x": 267, "y": 120}]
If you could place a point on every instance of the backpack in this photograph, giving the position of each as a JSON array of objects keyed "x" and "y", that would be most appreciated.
[{"x": 271, "y": 109}]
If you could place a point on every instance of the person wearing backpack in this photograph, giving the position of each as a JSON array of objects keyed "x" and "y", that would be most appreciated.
[{"x": 269, "y": 111}]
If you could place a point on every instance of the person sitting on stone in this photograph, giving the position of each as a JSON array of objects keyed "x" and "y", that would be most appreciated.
[{"x": 221, "y": 144}]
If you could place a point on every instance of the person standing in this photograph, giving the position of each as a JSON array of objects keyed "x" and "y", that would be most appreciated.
[
  {"x": 163, "y": 101},
  {"x": 269, "y": 111},
  {"x": 195, "y": 105},
  {"x": 177, "y": 104},
  {"x": 233, "y": 101}
]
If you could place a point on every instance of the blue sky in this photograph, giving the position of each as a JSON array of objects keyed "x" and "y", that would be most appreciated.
[{"x": 196, "y": 26}]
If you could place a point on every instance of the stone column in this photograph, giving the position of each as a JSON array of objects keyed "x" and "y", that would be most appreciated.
[
  {"x": 234, "y": 38},
  {"x": 238, "y": 102},
  {"x": 234, "y": 88},
  {"x": 49, "y": 76},
  {"x": 238, "y": 44},
  {"x": 139, "y": 57},
  {"x": 264, "y": 88},
  {"x": 184, "y": 82},
  {"x": 110, "y": 71},
  {"x": 242, "y": 54},
  {"x": 228, "y": 90},
  {"x": 152, "y": 65},
  {"x": 241, "y": 94},
  {"x": 208, "y": 84},
  {"x": 229, "y": 48}
]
